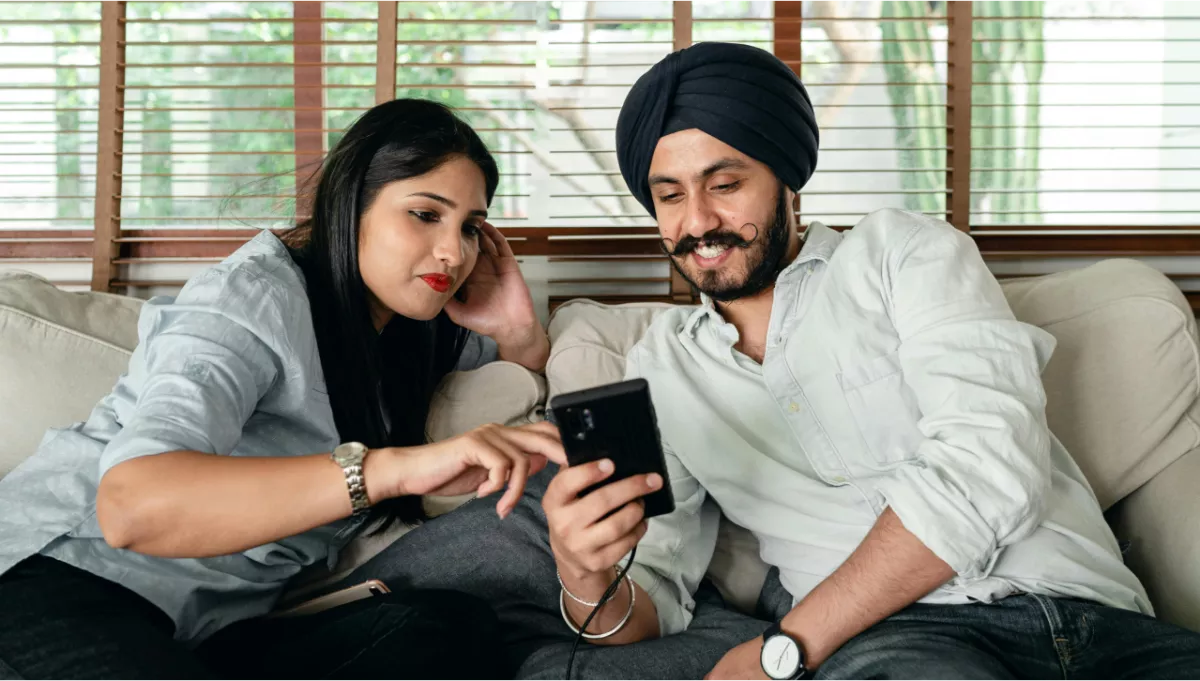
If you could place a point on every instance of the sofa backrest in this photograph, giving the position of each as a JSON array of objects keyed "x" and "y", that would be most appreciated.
[{"x": 59, "y": 354}]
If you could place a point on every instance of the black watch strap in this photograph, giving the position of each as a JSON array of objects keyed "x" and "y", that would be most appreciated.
[{"x": 774, "y": 630}]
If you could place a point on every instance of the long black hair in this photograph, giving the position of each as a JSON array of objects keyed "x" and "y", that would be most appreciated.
[{"x": 380, "y": 384}]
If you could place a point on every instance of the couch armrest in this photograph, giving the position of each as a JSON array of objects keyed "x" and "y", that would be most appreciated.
[{"x": 1160, "y": 522}]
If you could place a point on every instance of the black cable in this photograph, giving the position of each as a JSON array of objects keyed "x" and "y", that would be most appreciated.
[{"x": 608, "y": 593}]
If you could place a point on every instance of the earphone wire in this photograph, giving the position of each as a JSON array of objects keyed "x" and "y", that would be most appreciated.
[{"x": 608, "y": 593}]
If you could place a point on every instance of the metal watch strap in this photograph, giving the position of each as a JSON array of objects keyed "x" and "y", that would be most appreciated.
[{"x": 349, "y": 457}]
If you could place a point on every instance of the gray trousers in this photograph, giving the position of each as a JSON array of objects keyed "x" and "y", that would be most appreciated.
[{"x": 508, "y": 564}]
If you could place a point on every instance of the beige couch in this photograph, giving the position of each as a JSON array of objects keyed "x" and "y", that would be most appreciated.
[{"x": 1123, "y": 396}]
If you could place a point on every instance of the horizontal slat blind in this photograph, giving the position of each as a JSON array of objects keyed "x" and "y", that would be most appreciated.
[
  {"x": 49, "y": 67},
  {"x": 543, "y": 84},
  {"x": 597, "y": 52},
  {"x": 1074, "y": 124},
  {"x": 229, "y": 108},
  {"x": 1086, "y": 134},
  {"x": 878, "y": 85}
]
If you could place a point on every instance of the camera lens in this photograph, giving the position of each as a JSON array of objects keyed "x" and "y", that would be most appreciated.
[{"x": 588, "y": 423}]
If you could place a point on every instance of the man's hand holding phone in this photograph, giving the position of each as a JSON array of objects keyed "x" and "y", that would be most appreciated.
[
  {"x": 589, "y": 534},
  {"x": 597, "y": 506}
]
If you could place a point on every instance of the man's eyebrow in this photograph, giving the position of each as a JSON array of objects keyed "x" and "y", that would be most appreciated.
[
  {"x": 716, "y": 167},
  {"x": 451, "y": 204}
]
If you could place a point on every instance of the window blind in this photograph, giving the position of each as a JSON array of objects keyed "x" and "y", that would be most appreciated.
[
  {"x": 1086, "y": 134},
  {"x": 49, "y": 67},
  {"x": 877, "y": 75},
  {"x": 227, "y": 111},
  {"x": 143, "y": 140}
]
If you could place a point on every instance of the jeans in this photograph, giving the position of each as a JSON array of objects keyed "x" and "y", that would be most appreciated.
[
  {"x": 57, "y": 621},
  {"x": 508, "y": 563}
]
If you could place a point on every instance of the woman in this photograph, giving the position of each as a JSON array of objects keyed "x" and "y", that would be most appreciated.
[{"x": 205, "y": 480}]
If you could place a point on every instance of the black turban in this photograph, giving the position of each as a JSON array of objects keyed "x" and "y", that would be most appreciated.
[{"x": 741, "y": 95}]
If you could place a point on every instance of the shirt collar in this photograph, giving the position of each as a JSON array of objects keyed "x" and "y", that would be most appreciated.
[{"x": 819, "y": 244}]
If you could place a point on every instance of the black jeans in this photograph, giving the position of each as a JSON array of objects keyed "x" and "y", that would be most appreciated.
[{"x": 57, "y": 621}]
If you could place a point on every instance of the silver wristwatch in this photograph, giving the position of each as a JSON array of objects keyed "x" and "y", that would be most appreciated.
[{"x": 349, "y": 457}]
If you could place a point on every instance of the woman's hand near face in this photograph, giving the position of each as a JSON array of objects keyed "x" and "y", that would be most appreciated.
[{"x": 498, "y": 304}]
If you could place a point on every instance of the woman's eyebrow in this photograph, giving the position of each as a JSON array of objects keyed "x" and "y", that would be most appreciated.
[{"x": 451, "y": 204}]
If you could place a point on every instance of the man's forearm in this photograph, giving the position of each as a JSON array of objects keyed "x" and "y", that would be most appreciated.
[
  {"x": 642, "y": 623},
  {"x": 889, "y": 571}
]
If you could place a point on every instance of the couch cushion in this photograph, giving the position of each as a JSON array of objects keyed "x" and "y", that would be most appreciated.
[
  {"x": 499, "y": 392},
  {"x": 1121, "y": 387},
  {"x": 60, "y": 353},
  {"x": 589, "y": 342}
]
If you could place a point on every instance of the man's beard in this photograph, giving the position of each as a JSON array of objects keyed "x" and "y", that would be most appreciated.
[{"x": 765, "y": 253}]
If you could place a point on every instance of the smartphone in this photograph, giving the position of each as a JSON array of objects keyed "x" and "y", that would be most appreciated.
[
  {"x": 357, "y": 592},
  {"x": 615, "y": 422}
]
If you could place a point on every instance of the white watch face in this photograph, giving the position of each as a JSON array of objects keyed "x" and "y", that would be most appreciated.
[{"x": 780, "y": 657}]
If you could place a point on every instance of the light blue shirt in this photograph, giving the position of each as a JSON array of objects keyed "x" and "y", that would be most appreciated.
[
  {"x": 895, "y": 375},
  {"x": 229, "y": 366}
]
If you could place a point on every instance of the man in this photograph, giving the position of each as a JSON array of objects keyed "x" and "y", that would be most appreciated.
[{"x": 863, "y": 403}]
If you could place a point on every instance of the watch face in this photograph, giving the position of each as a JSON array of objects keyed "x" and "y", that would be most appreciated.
[
  {"x": 349, "y": 454},
  {"x": 781, "y": 657}
]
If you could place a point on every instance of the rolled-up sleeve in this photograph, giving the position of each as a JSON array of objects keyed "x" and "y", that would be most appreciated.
[
  {"x": 199, "y": 371},
  {"x": 477, "y": 351},
  {"x": 674, "y": 555},
  {"x": 980, "y": 474}
]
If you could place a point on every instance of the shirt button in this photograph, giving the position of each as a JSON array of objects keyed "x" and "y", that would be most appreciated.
[
  {"x": 793, "y": 407},
  {"x": 838, "y": 479}
]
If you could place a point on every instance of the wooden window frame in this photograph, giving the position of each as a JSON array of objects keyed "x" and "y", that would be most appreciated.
[{"x": 109, "y": 247}]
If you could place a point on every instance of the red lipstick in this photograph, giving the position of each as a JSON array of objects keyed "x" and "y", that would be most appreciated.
[{"x": 438, "y": 282}]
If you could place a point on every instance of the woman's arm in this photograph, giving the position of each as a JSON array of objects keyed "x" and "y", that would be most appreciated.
[
  {"x": 167, "y": 485},
  {"x": 530, "y": 348},
  {"x": 188, "y": 504}
]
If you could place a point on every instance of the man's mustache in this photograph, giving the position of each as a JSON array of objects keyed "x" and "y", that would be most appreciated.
[{"x": 717, "y": 237}]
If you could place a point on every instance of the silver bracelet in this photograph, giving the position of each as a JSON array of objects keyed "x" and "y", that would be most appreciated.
[
  {"x": 575, "y": 598},
  {"x": 562, "y": 606}
]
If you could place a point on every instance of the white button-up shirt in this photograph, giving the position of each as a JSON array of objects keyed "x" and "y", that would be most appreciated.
[{"x": 895, "y": 375}]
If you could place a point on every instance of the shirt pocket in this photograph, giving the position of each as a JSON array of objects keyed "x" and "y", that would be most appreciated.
[{"x": 884, "y": 410}]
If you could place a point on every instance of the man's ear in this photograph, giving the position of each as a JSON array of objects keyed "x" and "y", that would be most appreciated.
[{"x": 794, "y": 226}]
